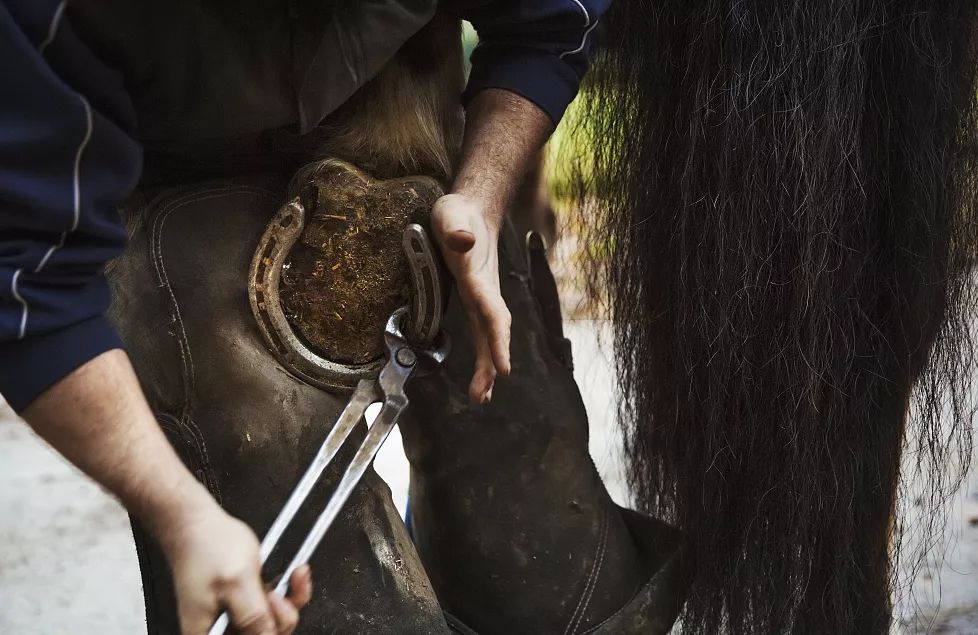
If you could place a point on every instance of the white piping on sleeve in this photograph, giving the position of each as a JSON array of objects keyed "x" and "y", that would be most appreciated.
[
  {"x": 53, "y": 27},
  {"x": 587, "y": 16},
  {"x": 76, "y": 179},
  {"x": 76, "y": 186},
  {"x": 23, "y": 304},
  {"x": 50, "y": 252},
  {"x": 78, "y": 157},
  {"x": 583, "y": 42}
]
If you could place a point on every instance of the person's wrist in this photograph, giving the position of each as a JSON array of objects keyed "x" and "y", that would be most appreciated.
[
  {"x": 488, "y": 207},
  {"x": 168, "y": 518}
]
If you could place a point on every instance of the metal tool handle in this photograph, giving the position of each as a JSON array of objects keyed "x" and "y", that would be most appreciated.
[
  {"x": 408, "y": 332},
  {"x": 376, "y": 436},
  {"x": 401, "y": 363},
  {"x": 367, "y": 393},
  {"x": 221, "y": 625}
]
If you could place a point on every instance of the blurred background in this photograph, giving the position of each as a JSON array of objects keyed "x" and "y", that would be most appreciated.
[{"x": 68, "y": 566}]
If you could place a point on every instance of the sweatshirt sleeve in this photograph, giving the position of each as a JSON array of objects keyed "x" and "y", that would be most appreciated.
[
  {"x": 539, "y": 49},
  {"x": 66, "y": 162}
]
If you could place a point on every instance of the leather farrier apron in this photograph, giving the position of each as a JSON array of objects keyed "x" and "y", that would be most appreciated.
[{"x": 514, "y": 530}]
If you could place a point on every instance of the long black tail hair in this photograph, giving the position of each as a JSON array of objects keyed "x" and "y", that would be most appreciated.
[{"x": 780, "y": 203}]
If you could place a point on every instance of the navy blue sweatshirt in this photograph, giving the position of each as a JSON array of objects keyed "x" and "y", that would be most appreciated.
[{"x": 69, "y": 157}]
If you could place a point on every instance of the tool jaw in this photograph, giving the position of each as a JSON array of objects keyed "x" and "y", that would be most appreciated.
[{"x": 427, "y": 358}]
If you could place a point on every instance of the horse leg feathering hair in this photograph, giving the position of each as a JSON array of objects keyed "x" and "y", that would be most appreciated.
[{"x": 782, "y": 205}]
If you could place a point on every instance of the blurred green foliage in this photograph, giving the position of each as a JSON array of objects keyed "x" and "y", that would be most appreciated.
[
  {"x": 566, "y": 154},
  {"x": 469, "y": 39}
]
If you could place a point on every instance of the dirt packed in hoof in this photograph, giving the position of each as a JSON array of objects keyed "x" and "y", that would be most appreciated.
[{"x": 347, "y": 272}]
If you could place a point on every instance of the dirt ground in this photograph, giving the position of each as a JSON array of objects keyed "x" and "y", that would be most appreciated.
[{"x": 67, "y": 564}]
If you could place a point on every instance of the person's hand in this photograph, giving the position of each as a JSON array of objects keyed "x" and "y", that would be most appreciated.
[
  {"x": 99, "y": 419},
  {"x": 216, "y": 567},
  {"x": 468, "y": 239}
]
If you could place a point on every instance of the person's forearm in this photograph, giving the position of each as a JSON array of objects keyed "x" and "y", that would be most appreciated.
[
  {"x": 503, "y": 134},
  {"x": 98, "y": 419}
]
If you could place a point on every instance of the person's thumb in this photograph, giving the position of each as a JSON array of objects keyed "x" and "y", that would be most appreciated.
[
  {"x": 249, "y": 608},
  {"x": 452, "y": 221}
]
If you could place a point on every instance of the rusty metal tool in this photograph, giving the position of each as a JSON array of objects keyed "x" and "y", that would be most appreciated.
[{"x": 414, "y": 345}]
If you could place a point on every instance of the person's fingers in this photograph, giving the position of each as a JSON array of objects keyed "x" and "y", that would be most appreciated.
[
  {"x": 459, "y": 240},
  {"x": 248, "y": 606},
  {"x": 452, "y": 221},
  {"x": 285, "y": 613},
  {"x": 197, "y": 619},
  {"x": 497, "y": 321},
  {"x": 300, "y": 587},
  {"x": 483, "y": 378},
  {"x": 484, "y": 374},
  {"x": 459, "y": 224}
]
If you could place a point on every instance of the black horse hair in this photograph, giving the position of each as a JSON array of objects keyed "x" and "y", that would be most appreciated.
[{"x": 779, "y": 207}]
